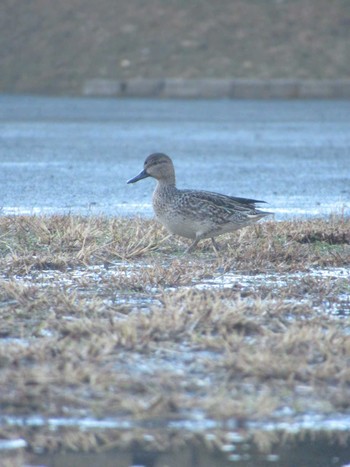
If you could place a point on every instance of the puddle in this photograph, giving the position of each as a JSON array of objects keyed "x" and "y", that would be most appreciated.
[
  {"x": 311, "y": 441},
  {"x": 316, "y": 453},
  {"x": 92, "y": 281},
  {"x": 81, "y": 279},
  {"x": 12, "y": 444},
  {"x": 339, "y": 308},
  {"x": 277, "y": 280},
  {"x": 315, "y": 448}
]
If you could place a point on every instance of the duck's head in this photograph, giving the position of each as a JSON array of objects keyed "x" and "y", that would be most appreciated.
[{"x": 158, "y": 166}]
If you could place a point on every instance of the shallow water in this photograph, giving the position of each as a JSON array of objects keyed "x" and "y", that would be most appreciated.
[
  {"x": 339, "y": 309},
  {"x": 75, "y": 155},
  {"x": 313, "y": 449}
]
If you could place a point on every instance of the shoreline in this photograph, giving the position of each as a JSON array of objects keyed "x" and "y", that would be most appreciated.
[{"x": 212, "y": 88}]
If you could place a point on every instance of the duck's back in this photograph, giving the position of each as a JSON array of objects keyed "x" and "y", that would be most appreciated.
[{"x": 193, "y": 213}]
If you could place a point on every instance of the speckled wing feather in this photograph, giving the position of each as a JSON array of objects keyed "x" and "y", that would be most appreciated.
[
  {"x": 223, "y": 200},
  {"x": 219, "y": 209}
]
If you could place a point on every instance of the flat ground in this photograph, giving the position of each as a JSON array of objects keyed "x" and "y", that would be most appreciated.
[
  {"x": 106, "y": 319},
  {"x": 55, "y": 47}
]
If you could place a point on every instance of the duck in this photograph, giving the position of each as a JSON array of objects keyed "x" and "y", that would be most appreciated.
[{"x": 195, "y": 214}]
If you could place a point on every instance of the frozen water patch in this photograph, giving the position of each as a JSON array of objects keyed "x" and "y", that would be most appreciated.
[
  {"x": 338, "y": 306},
  {"x": 93, "y": 281},
  {"x": 229, "y": 279},
  {"x": 195, "y": 422},
  {"x": 311, "y": 422},
  {"x": 12, "y": 444},
  {"x": 281, "y": 210}
]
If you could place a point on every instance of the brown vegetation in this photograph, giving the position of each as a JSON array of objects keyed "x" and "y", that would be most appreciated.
[{"x": 113, "y": 320}]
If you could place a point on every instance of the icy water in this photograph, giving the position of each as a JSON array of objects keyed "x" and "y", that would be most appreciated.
[
  {"x": 75, "y": 155},
  {"x": 316, "y": 452}
]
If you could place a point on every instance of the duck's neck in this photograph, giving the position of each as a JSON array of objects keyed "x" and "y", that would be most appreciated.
[
  {"x": 163, "y": 192},
  {"x": 167, "y": 183}
]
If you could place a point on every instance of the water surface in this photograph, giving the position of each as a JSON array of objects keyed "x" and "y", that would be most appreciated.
[{"x": 75, "y": 155}]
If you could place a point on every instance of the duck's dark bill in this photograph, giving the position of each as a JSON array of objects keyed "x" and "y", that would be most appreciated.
[{"x": 138, "y": 177}]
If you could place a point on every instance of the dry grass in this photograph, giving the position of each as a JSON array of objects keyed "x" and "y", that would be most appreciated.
[
  {"x": 30, "y": 243},
  {"x": 115, "y": 325}
]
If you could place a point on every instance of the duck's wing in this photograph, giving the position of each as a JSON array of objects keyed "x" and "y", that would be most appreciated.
[{"x": 223, "y": 201}]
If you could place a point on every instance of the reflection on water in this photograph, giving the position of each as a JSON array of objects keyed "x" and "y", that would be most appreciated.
[
  {"x": 308, "y": 442},
  {"x": 312, "y": 451}
]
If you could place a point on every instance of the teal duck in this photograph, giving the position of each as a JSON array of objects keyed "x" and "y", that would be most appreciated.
[{"x": 195, "y": 214}]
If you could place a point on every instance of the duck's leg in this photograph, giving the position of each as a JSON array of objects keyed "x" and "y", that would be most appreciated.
[
  {"x": 215, "y": 244},
  {"x": 192, "y": 246}
]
